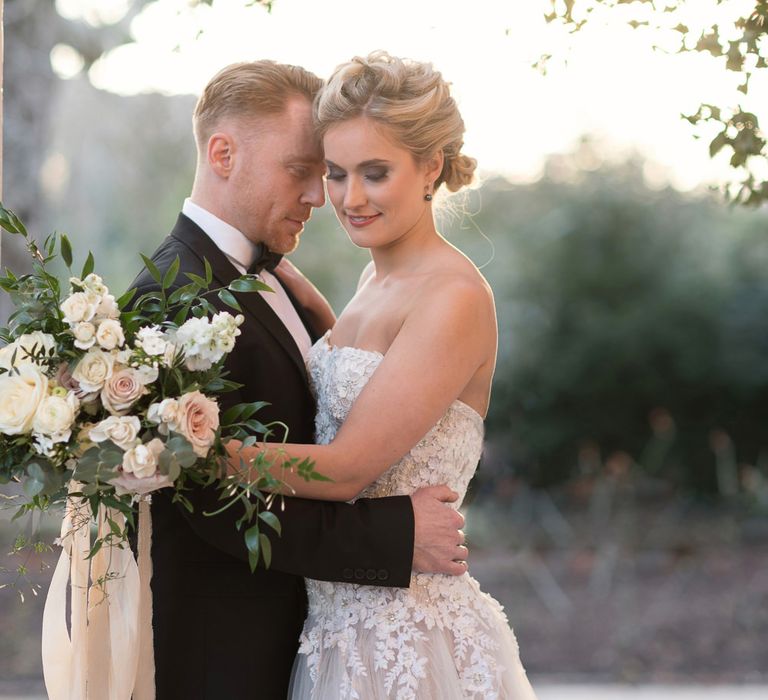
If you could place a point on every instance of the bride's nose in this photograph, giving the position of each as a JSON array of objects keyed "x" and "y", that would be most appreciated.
[{"x": 354, "y": 195}]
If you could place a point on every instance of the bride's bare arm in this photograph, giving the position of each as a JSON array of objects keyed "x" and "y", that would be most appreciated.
[
  {"x": 318, "y": 309},
  {"x": 439, "y": 348}
]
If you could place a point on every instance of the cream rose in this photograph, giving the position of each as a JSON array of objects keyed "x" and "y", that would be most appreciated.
[
  {"x": 110, "y": 334},
  {"x": 165, "y": 414},
  {"x": 141, "y": 461},
  {"x": 55, "y": 415},
  {"x": 122, "y": 430},
  {"x": 122, "y": 389},
  {"x": 25, "y": 346},
  {"x": 20, "y": 396},
  {"x": 93, "y": 284},
  {"x": 198, "y": 421},
  {"x": 93, "y": 370},
  {"x": 80, "y": 306},
  {"x": 85, "y": 335}
]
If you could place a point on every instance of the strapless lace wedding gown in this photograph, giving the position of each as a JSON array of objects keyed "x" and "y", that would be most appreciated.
[{"x": 440, "y": 639}]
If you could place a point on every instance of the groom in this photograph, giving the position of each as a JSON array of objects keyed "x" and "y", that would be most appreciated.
[{"x": 220, "y": 631}]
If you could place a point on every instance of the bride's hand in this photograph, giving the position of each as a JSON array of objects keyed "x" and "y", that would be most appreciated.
[{"x": 308, "y": 296}]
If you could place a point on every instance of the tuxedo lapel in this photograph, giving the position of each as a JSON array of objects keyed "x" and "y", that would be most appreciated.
[{"x": 193, "y": 237}]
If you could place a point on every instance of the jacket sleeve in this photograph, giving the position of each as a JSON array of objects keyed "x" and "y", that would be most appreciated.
[{"x": 369, "y": 541}]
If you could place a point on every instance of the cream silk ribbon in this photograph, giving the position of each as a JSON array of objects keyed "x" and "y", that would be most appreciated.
[{"x": 107, "y": 652}]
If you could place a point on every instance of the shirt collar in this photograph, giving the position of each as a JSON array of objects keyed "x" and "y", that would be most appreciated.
[{"x": 227, "y": 238}]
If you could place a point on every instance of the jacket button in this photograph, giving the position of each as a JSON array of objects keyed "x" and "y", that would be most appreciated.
[
  {"x": 382, "y": 574},
  {"x": 359, "y": 574},
  {"x": 371, "y": 574},
  {"x": 348, "y": 573}
]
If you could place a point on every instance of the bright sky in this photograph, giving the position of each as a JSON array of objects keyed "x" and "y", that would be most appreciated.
[{"x": 609, "y": 83}]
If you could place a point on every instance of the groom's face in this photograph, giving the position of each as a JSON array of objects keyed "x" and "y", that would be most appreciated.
[{"x": 278, "y": 176}]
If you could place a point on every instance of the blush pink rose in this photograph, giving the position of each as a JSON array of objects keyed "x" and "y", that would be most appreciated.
[
  {"x": 198, "y": 421},
  {"x": 122, "y": 390}
]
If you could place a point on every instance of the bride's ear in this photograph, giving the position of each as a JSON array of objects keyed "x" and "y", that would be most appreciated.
[
  {"x": 221, "y": 151},
  {"x": 433, "y": 167}
]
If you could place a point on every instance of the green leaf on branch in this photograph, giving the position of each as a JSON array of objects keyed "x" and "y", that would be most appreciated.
[
  {"x": 249, "y": 283},
  {"x": 66, "y": 250},
  {"x": 124, "y": 300},
  {"x": 152, "y": 269},
  {"x": 266, "y": 549},
  {"x": 88, "y": 266},
  {"x": 229, "y": 299},
  {"x": 271, "y": 519},
  {"x": 171, "y": 273}
]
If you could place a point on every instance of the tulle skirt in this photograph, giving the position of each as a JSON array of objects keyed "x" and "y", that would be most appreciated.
[{"x": 441, "y": 639}]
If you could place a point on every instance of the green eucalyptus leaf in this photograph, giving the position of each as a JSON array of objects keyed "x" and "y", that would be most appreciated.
[
  {"x": 88, "y": 266},
  {"x": 199, "y": 281},
  {"x": 126, "y": 298},
  {"x": 208, "y": 273}
]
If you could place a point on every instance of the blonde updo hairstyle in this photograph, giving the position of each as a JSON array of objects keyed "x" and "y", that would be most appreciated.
[{"x": 408, "y": 97}]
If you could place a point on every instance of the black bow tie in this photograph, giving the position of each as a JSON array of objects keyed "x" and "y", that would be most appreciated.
[{"x": 265, "y": 260}]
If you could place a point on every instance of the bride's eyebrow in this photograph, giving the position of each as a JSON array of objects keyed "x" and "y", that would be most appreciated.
[{"x": 360, "y": 166}]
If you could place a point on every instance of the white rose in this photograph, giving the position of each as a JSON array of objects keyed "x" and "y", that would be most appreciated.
[
  {"x": 122, "y": 430},
  {"x": 55, "y": 415},
  {"x": 94, "y": 368},
  {"x": 93, "y": 284},
  {"x": 25, "y": 346},
  {"x": 141, "y": 461},
  {"x": 80, "y": 306},
  {"x": 85, "y": 335},
  {"x": 20, "y": 396},
  {"x": 108, "y": 308},
  {"x": 165, "y": 414},
  {"x": 110, "y": 334},
  {"x": 122, "y": 389}
]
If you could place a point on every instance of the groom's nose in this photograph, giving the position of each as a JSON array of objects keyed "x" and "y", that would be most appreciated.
[{"x": 314, "y": 193}]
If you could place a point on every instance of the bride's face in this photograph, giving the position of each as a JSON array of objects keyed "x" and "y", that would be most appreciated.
[{"x": 375, "y": 185}]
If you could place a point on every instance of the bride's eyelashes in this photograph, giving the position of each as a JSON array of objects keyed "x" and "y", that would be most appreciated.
[{"x": 371, "y": 174}]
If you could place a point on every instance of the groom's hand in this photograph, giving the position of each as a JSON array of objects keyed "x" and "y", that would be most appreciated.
[{"x": 438, "y": 539}]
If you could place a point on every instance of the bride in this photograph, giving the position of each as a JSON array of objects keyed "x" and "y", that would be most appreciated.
[{"x": 402, "y": 382}]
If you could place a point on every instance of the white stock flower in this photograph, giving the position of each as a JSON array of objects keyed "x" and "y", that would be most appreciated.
[
  {"x": 152, "y": 340},
  {"x": 93, "y": 370},
  {"x": 80, "y": 306},
  {"x": 122, "y": 430},
  {"x": 109, "y": 334},
  {"x": 165, "y": 415},
  {"x": 85, "y": 334},
  {"x": 204, "y": 342},
  {"x": 55, "y": 415},
  {"x": 20, "y": 396},
  {"x": 141, "y": 461}
]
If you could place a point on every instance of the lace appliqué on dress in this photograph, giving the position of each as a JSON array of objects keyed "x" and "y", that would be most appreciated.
[{"x": 441, "y": 633}]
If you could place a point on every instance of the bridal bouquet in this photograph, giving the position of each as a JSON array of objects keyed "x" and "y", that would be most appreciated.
[
  {"x": 102, "y": 402},
  {"x": 105, "y": 400}
]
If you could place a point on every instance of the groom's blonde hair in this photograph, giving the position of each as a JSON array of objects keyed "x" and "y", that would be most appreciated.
[{"x": 250, "y": 89}]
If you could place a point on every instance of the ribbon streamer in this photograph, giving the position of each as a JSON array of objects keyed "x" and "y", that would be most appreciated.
[{"x": 107, "y": 651}]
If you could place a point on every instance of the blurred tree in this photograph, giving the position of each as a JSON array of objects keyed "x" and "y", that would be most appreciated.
[
  {"x": 737, "y": 37},
  {"x": 616, "y": 300}
]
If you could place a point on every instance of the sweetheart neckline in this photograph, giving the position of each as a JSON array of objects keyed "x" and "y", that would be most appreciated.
[{"x": 339, "y": 348}]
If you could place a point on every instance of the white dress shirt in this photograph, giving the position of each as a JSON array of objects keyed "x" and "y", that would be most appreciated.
[{"x": 241, "y": 252}]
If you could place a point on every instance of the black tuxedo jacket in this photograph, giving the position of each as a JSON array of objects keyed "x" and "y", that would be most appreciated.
[{"x": 220, "y": 631}]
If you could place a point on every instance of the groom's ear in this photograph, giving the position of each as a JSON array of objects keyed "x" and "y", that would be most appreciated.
[{"x": 220, "y": 154}]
